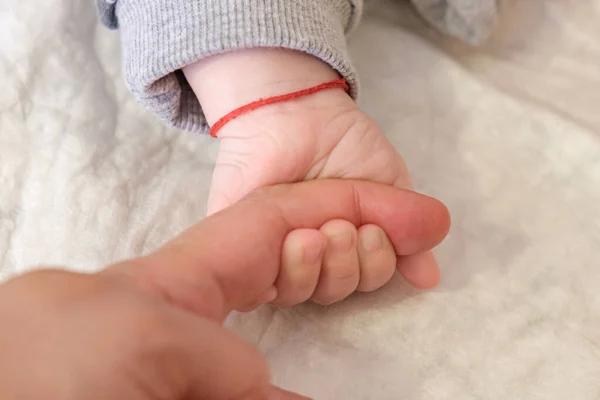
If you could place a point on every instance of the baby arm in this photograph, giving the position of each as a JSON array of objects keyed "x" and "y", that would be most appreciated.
[{"x": 234, "y": 52}]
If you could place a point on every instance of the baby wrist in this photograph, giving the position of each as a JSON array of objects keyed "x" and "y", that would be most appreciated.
[{"x": 225, "y": 82}]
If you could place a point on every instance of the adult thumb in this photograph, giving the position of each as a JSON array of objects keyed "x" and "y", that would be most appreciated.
[{"x": 232, "y": 259}]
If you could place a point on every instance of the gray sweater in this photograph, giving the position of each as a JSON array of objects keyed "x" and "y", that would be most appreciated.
[
  {"x": 162, "y": 36},
  {"x": 159, "y": 37}
]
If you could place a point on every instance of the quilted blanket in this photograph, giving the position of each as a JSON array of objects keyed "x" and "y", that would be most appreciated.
[{"x": 507, "y": 135}]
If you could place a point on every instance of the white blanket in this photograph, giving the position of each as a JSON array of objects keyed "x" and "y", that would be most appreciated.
[{"x": 507, "y": 135}]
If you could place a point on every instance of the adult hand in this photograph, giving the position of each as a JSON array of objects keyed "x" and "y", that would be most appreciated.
[{"x": 150, "y": 328}]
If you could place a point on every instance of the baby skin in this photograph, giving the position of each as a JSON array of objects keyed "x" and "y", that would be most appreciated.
[{"x": 320, "y": 136}]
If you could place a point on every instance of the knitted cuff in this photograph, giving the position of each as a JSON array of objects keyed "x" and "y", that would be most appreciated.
[{"x": 161, "y": 37}]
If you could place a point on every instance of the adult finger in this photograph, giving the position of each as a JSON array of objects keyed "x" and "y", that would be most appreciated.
[{"x": 199, "y": 359}]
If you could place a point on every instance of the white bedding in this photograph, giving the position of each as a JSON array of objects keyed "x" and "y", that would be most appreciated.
[{"x": 507, "y": 135}]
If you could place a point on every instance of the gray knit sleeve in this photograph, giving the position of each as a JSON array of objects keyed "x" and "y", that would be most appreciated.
[{"x": 160, "y": 37}]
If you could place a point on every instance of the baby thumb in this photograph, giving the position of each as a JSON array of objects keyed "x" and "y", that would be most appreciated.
[
  {"x": 230, "y": 183},
  {"x": 238, "y": 172}
]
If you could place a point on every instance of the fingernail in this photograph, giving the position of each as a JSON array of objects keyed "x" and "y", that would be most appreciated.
[
  {"x": 313, "y": 254},
  {"x": 342, "y": 241},
  {"x": 371, "y": 240}
]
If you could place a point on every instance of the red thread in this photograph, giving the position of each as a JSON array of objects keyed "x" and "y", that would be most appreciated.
[{"x": 336, "y": 84}]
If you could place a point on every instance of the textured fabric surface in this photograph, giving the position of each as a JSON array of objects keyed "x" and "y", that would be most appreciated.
[
  {"x": 508, "y": 135},
  {"x": 469, "y": 20},
  {"x": 159, "y": 38}
]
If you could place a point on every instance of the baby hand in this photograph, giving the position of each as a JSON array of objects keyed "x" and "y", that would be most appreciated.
[{"x": 323, "y": 135}]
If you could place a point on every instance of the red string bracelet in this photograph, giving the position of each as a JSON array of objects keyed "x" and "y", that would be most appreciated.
[{"x": 336, "y": 84}]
